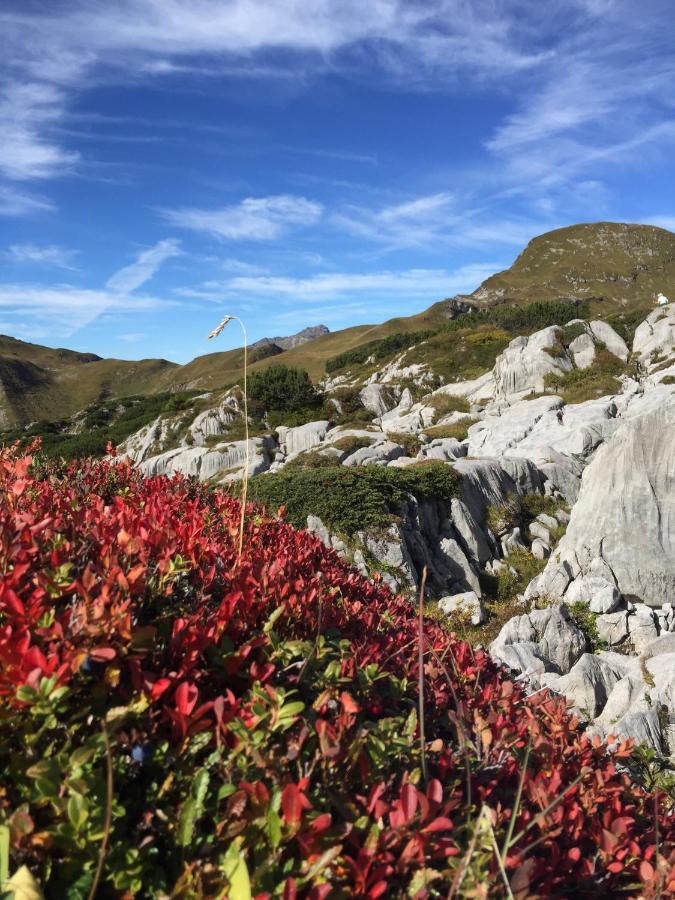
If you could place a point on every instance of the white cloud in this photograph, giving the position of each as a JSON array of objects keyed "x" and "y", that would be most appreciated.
[
  {"x": 26, "y": 108},
  {"x": 146, "y": 265},
  {"x": 239, "y": 267},
  {"x": 413, "y": 283},
  {"x": 50, "y": 255},
  {"x": 65, "y": 308},
  {"x": 433, "y": 221},
  {"x": 255, "y": 218},
  {"x": 132, "y": 337}
]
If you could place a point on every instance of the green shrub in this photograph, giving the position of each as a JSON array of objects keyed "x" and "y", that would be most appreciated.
[
  {"x": 281, "y": 389},
  {"x": 381, "y": 349},
  {"x": 348, "y": 500}
]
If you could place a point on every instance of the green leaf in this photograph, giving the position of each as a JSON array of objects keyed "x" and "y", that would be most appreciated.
[
  {"x": 186, "y": 822},
  {"x": 273, "y": 826},
  {"x": 23, "y": 886},
  {"x": 193, "y": 808},
  {"x": 236, "y": 873},
  {"x": 78, "y": 810},
  {"x": 4, "y": 855}
]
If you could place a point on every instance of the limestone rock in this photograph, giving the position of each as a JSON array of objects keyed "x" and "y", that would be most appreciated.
[
  {"x": 523, "y": 366},
  {"x": 625, "y": 515},
  {"x": 303, "y": 437},
  {"x": 616, "y": 345},
  {"x": 378, "y": 454},
  {"x": 539, "y": 549},
  {"x": 558, "y": 640},
  {"x": 655, "y": 337},
  {"x": 642, "y": 628},
  {"x": 588, "y": 684},
  {"x": 612, "y": 627},
  {"x": 582, "y": 349},
  {"x": 598, "y": 592},
  {"x": 467, "y": 603}
]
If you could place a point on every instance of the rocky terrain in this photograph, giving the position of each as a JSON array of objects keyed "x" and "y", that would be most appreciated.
[
  {"x": 556, "y": 419},
  {"x": 577, "y": 497}
]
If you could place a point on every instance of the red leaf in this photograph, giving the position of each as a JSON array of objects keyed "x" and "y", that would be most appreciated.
[
  {"x": 408, "y": 801},
  {"x": 293, "y": 801},
  {"x": 439, "y": 824},
  {"x": 646, "y": 871}
]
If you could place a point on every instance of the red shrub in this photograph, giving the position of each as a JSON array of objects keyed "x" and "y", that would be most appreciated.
[{"x": 263, "y": 718}]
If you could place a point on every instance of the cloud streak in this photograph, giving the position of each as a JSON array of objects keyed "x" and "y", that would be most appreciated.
[
  {"x": 254, "y": 219},
  {"x": 144, "y": 268}
]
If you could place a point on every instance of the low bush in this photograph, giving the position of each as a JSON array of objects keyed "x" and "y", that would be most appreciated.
[
  {"x": 178, "y": 721},
  {"x": 281, "y": 389},
  {"x": 350, "y": 499}
]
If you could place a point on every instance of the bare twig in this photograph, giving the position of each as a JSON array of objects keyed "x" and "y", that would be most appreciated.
[
  {"x": 420, "y": 674},
  {"x": 108, "y": 816}
]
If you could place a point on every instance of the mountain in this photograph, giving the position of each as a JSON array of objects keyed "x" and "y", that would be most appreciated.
[
  {"x": 293, "y": 340},
  {"x": 617, "y": 268},
  {"x": 610, "y": 263}
]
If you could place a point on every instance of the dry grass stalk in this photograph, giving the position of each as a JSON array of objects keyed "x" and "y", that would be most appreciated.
[{"x": 216, "y": 331}]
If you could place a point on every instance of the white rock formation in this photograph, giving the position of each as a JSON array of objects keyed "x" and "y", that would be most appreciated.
[
  {"x": 524, "y": 365},
  {"x": 623, "y": 525}
]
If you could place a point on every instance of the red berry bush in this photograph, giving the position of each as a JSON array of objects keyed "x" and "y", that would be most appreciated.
[{"x": 179, "y": 722}]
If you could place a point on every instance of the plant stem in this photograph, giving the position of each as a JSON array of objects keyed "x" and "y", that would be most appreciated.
[
  {"x": 248, "y": 451},
  {"x": 420, "y": 674},
  {"x": 108, "y": 816}
]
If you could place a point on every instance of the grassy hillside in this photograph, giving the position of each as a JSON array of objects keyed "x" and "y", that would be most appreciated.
[
  {"x": 612, "y": 264},
  {"x": 616, "y": 269}
]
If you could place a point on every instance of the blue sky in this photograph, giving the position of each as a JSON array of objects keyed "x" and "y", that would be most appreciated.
[{"x": 301, "y": 161}]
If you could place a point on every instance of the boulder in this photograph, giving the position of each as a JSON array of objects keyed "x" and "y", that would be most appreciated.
[
  {"x": 378, "y": 454},
  {"x": 522, "y": 657},
  {"x": 582, "y": 349},
  {"x": 605, "y": 334},
  {"x": 588, "y": 684},
  {"x": 624, "y": 519},
  {"x": 642, "y": 627},
  {"x": 376, "y": 398},
  {"x": 303, "y": 437},
  {"x": 470, "y": 534},
  {"x": 524, "y": 365},
  {"x": 612, "y": 627},
  {"x": 558, "y": 640},
  {"x": 598, "y": 592},
  {"x": 655, "y": 337},
  {"x": 540, "y": 549},
  {"x": 466, "y": 603}
]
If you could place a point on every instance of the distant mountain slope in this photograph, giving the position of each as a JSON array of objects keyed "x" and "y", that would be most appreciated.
[
  {"x": 616, "y": 267},
  {"x": 42, "y": 383},
  {"x": 293, "y": 340}
]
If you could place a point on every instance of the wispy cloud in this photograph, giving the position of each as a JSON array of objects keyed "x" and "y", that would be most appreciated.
[
  {"x": 49, "y": 255},
  {"x": 254, "y": 219},
  {"x": 26, "y": 109},
  {"x": 67, "y": 309},
  {"x": 413, "y": 283},
  {"x": 146, "y": 265},
  {"x": 18, "y": 203}
]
